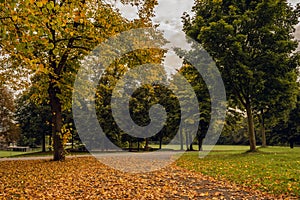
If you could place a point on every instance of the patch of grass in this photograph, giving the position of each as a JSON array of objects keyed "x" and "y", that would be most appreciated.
[
  {"x": 10, "y": 153},
  {"x": 5, "y": 154},
  {"x": 274, "y": 169},
  {"x": 207, "y": 147}
]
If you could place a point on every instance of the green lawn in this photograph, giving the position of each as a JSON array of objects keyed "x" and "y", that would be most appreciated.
[
  {"x": 10, "y": 153},
  {"x": 273, "y": 169},
  {"x": 215, "y": 148}
]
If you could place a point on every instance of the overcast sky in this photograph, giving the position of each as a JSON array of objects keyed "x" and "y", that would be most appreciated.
[{"x": 168, "y": 14}]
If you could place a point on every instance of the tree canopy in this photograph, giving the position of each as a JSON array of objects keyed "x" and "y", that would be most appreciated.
[{"x": 253, "y": 46}]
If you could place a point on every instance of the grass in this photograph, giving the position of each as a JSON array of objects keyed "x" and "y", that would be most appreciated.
[
  {"x": 215, "y": 148},
  {"x": 4, "y": 154},
  {"x": 274, "y": 169}
]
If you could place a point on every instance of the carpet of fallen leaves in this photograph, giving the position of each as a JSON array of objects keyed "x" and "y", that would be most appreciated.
[{"x": 87, "y": 178}]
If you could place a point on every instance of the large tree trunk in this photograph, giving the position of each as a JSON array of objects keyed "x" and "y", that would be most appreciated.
[
  {"x": 251, "y": 132},
  {"x": 56, "y": 111}
]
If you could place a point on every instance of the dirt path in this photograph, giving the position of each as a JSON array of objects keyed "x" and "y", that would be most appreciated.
[{"x": 87, "y": 178}]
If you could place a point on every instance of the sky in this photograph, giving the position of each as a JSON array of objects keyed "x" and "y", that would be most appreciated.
[
  {"x": 168, "y": 15},
  {"x": 168, "y": 12}
]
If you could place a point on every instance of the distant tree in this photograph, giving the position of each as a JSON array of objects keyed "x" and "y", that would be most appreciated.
[
  {"x": 287, "y": 131},
  {"x": 34, "y": 121},
  {"x": 9, "y": 132},
  {"x": 201, "y": 91},
  {"x": 252, "y": 44}
]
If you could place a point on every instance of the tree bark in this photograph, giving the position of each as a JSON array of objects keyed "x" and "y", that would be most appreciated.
[
  {"x": 263, "y": 130},
  {"x": 181, "y": 139},
  {"x": 191, "y": 142},
  {"x": 72, "y": 140},
  {"x": 200, "y": 142},
  {"x": 291, "y": 141},
  {"x": 146, "y": 144},
  {"x": 160, "y": 142},
  {"x": 187, "y": 141},
  {"x": 130, "y": 145},
  {"x": 263, "y": 135},
  {"x": 44, "y": 142},
  {"x": 56, "y": 111},
  {"x": 251, "y": 132}
]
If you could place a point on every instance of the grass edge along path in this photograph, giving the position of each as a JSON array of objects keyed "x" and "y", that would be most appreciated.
[{"x": 274, "y": 170}]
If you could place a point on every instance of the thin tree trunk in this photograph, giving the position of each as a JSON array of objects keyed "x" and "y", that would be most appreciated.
[
  {"x": 130, "y": 145},
  {"x": 263, "y": 130},
  {"x": 56, "y": 111},
  {"x": 251, "y": 132},
  {"x": 44, "y": 142},
  {"x": 147, "y": 144},
  {"x": 181, "y": 139},
  {"x": 160, "y": 142},
  {"x": 191, "y": 142},
  {"x": 200, "y": 142},
  {"x": 187, "y": 142},
  {"x": 263, "y": 136},
  {"x": 291, "y": 141},
  {"x": 72, "y": 141}
]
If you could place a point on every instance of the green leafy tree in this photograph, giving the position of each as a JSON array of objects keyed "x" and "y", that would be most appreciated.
[
  {"x": 249, "y": 40},
  {"x": 141, "y": 100},
  {"x": 9, "y": 132},
  {"x": 201, "y": 91},
  {"x": 287, "y": 131},
  {"x": 34, "y": 121}
]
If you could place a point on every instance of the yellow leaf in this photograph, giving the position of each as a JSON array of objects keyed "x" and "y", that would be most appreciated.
[{"x": 14, "y": 18}]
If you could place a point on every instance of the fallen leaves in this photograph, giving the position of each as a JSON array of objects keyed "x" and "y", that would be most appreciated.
[{"x": 87, "y": 178}]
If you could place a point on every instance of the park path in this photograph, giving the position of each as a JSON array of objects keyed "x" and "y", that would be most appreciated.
[{"x": 84, "y": 177}]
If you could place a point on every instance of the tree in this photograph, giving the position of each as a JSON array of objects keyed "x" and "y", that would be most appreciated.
[
  {"x": 34, "y": 121},
  {"x": 49, "y": 37},
  {"x": 201, "y": 90},
  {"x": 9, "y": 131},
  {"x": 287, "y": 131},
  {"x": 140, "y": 101},
  {"x": 249, "y": 40}
]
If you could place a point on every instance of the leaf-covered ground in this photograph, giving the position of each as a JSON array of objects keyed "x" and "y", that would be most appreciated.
[{"x": 87, "y": 178}]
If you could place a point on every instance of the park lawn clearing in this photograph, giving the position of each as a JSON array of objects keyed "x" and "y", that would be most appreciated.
[{"x": 274, "y": 170}]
